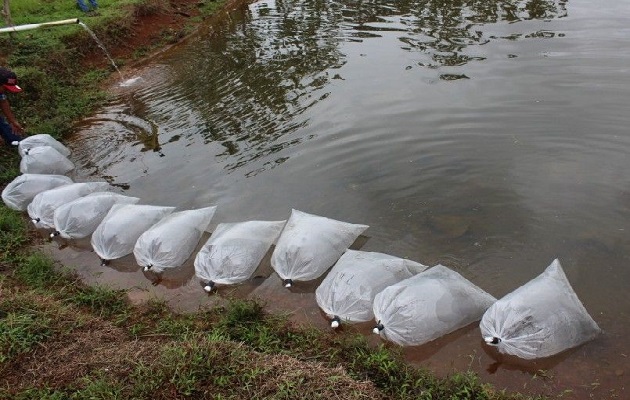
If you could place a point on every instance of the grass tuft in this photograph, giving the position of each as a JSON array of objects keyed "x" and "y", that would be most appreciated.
[
  {"x": 9, "y": 166},
  {"x": 13, "y": 234},
  {"x": 101, "y": 301},
  {"x": 20, "y": 331},
  {"x": 37, "y": 271}
]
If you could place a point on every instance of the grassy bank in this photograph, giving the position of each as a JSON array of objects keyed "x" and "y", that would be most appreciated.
[{"x": 61, "y": 339}]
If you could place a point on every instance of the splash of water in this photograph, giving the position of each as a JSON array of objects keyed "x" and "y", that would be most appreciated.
[
  {"x": 131, "y": 81},
  {"x": 102, "y": 46}
]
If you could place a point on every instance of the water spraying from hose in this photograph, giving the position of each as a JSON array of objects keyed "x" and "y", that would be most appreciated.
[{"x": 102, "y": 46}]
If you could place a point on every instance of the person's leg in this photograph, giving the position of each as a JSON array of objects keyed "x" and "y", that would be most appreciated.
[
  {"x": 94, "y": 4},
  {"x": 84, "y": 7},
  {"x": 6, "y": 131}
]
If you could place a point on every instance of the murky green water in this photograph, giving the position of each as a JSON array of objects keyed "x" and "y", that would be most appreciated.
[{"x": 490, "y": 136}]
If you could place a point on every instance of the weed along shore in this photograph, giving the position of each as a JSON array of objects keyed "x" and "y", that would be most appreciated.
[{"x": 64, "y": 338}]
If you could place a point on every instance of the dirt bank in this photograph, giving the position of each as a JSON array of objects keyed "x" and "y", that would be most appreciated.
[{"x": 155, "y": 30}]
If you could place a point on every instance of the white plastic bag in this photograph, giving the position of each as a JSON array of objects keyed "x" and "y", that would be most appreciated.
[
  {"x": 18, "y": 194},
  {"x": 40, "y": 140},
  {"x": 348, "y": 291},
  {"x": 170, "y": 242},
  {"x": 117, "y": 234},
  {"x": 45, "y": 160},
  {"x": 234, "y": 251},
  {"x": 80, "y": 217},
  {"x": 429, "y": 305},
  {"x": 42, "y": 208},
  {"x": 310, "y": 244},
  {"x": 539, "y": 319}
]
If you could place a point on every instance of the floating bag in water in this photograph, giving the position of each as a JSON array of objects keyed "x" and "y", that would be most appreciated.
[
  {"x": 309, "y": 245},
  {"x": 170, "y": 242},
  {"x": 42, "y": 208},
  {"x": 80, "y": 217},
  {"x": 539, "y": 319},
  {"x": 20, "y": 192},
  {"x": 40, "y": 140},
  {"x": 45, "y": 160},
  {"x": 348, "y": 291},
  {"x": 234, "y": 251},
  {"x": 116, "y": 235},
  {"x": 427, "y": 306}
]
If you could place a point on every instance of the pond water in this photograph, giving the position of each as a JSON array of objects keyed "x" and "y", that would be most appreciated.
[{"x": 489, "y": 136}]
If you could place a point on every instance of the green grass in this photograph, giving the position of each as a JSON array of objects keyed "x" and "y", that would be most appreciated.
[
  {"x": 13, "y": 234},
  {"x": 102, "y": 302},
  {"x": 20, "y": 330},
  {"x": 37, "y": 271},
  {"x": 38, "y": 11},
  {"x": 30, "y": 394},
  {"x": 9, "y": 165}
]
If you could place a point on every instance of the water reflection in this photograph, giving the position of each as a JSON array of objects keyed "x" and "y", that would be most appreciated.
[
  {"x": 249, "y": 87},
  {"x": 444, "y": 30},
  {"x": 260, "y": 79}
]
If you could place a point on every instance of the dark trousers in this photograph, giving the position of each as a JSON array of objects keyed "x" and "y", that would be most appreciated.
[
  {"x": 6, "y": 131},
  {"x": 84, "y": 7}
]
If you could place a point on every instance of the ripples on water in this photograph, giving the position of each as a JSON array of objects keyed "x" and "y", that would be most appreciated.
[{"x": 490, "y": 136}]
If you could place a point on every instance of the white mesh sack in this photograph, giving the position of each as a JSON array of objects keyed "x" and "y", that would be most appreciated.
[
  {"x": 18, "y": 194},
  {"x": 170, "y": 242},
  {"x": 40, "y": 140},
  {"x": 117, "y": 234},
  {"x": 429, "y": 305},
  {"x": 234, "y": 251},
  {"x": 45, "y": 160},
  {"x": 310, "y": 244},
  {"x": 42, "y": 208},
  {"x": 80, "y": 217},
  {"x": 539, "y": 319},
  {"x": 348, "y": 291}
]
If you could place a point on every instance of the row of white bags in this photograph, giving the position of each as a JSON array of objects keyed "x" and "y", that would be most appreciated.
[
  {"x": 309, "y": 246},
  {"x": 412, "y": 306},
  {"x": 43, "y": 154},
  {"x": 117, "y": 224}
]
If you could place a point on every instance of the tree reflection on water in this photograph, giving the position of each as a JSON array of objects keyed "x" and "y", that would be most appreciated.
[{"x": 275, "y": 60}]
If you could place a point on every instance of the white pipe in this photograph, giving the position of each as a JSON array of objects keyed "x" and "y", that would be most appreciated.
[{"x": 35, "y": 26}]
